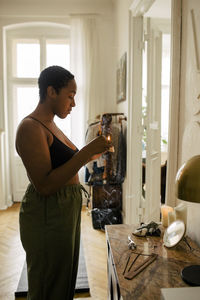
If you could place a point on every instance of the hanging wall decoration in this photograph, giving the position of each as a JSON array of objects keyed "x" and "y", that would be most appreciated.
[{"x": 121, "y": 78}]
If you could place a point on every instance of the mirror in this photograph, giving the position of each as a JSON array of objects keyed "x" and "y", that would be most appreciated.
[{"x": 174, "y": 233}]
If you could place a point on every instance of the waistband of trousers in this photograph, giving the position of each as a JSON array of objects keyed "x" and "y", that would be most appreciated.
[{"x": 72, "y": 188}]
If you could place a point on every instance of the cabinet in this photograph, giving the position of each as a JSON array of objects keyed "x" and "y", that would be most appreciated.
[{"x": 164, "y": 272}]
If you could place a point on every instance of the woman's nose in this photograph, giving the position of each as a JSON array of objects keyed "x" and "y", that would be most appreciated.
[{"x": 73, "y": 103}]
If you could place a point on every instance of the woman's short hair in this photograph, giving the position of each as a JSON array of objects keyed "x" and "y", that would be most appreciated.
[{"x": 54, "y": 76}]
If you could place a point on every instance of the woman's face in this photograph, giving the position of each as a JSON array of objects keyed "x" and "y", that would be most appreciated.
[{"x": 64, "y": 100}]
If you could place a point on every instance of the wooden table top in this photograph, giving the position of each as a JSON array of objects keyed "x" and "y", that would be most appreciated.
[{"x": 164, "y": 272}]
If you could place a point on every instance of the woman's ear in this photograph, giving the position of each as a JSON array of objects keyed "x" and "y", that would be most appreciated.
[{"x": 51, "y": 93}]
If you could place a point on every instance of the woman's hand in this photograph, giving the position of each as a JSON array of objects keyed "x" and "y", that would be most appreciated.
[{"x": 98, "y": 145}]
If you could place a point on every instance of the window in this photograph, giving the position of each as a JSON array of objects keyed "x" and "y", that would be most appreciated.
[
  {"x": 25, "y": 101},
  {"x": 27, "y": 62},
  {"x": 58, "y": 53},
  {"x": 28, "y": 56}
]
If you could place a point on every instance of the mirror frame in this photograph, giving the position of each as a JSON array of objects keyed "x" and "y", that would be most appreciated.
[{"x": 169, "y": 231}]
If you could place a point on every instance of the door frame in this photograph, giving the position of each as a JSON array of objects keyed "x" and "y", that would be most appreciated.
[
  {"x": 134, "y": 208},
  {"x": 153, "y": 38},
  {"x": 134, "y": 128},
  {"x": 173, "y": 141}
]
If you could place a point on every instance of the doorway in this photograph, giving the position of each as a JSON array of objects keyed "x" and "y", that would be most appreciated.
[
  {"x": 149, "y": 35},
  {"x": 155, "y": 113}
]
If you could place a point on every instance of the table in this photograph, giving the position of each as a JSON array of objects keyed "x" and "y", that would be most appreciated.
[{"x": 164, "y": 272}]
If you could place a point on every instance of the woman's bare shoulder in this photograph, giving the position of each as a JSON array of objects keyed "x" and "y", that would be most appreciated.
[
  {"x": 27, "y": 124},
  {"x": 28, "y": 131}
]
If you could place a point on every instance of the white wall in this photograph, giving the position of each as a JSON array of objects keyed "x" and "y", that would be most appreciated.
[
  {"x": 53, "y": 8},
  {"x": 189, "y": 130},
  {"x": 121, "y": 22},
  {"x": 121, "y": 10}
]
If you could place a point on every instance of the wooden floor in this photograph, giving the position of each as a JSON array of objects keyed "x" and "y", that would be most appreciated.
[{"x": 12, "y": 256}]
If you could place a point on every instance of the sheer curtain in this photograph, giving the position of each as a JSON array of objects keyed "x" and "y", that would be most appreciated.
[
  {"x": 5, "y": 195},
  {"x": 86, "y": 65}
]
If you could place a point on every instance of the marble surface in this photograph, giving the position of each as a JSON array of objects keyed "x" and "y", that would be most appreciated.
[{"x": 164, "y": 272}]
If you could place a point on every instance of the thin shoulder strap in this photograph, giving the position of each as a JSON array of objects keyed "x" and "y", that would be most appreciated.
[{"x": 40, "y": 123}]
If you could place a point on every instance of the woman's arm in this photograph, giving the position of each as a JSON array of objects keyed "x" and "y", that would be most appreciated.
[
  {"x": 94, "y": 157},
  {"x": 32, "y": 146}
]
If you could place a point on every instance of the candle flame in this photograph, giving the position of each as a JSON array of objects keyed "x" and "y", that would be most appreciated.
[{"x": 108, "y": 137}]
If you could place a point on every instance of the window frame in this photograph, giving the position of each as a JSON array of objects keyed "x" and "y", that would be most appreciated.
[{"x": 29, "y": 32}]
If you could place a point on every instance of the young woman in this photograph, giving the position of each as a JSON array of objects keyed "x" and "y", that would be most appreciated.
[{"x": 51, "y": 207}]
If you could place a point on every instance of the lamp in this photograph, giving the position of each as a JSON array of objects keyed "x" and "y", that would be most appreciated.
[{"x": 188, "y": 189}]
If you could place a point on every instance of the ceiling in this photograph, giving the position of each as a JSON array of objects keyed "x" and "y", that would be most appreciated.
[{"x": 160, "y": 9}]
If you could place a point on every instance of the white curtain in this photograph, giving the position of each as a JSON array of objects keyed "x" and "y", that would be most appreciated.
[
  {"x": 85, "y": 64},
  {"x": 87, "y": 67},
  {"x": 5, "y": 196}
]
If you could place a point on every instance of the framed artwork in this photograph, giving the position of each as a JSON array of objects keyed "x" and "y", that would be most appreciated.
[{"x": 121, "y": 78}]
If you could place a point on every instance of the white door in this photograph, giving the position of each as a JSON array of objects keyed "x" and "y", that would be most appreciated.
[
  {"x": 24, "y": 101},
  {"x": 134, "y": 128},
  {"x": 26, "y": 58},
  {"x": 23, "y": 70},
  {"x": 153, "y": 122}
]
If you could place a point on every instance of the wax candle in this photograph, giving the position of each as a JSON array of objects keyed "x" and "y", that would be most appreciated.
[
  {"x": 111, "y": 149},
  {"x": 164, "y": 214},
  {"x": 171, "y": 217},
  {"x": 181, "y": 212}
]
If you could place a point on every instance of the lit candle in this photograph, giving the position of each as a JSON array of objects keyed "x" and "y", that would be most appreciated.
[
  {"x": 108, "y": 137},
  {"x": 111, "y": 149},
  {"x": 181, "y": 212},
  {"x": 164, "y": 213}
]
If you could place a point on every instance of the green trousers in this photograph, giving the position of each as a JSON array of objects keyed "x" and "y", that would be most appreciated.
[{"x": 50, "y": 235}]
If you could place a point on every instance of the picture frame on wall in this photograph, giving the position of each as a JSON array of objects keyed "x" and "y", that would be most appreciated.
[{"x": 121, "y": 78}]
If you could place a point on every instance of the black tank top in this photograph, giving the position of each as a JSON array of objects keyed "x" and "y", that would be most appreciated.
[{"x": 59, "y": 152}]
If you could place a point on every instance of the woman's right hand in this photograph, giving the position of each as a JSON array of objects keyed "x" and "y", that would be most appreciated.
[{"x": 99, "y": 145}]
